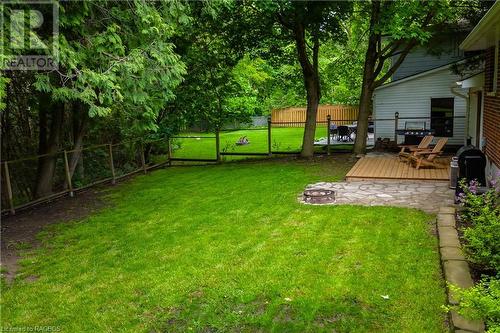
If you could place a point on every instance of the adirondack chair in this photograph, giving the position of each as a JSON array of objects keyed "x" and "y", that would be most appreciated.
[
  {"x": 408, "y": 150},
  {"x": 428, "y": 157}
]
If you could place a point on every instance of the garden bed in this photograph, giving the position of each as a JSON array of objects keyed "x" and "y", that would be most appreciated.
[{"x": 478, "y": 231}]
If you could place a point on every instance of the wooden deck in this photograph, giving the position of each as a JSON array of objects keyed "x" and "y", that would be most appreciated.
[{"x": 389, "y": 167}]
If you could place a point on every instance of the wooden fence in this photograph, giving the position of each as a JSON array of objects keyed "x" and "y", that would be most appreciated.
[{"x": 293, "y": 117}]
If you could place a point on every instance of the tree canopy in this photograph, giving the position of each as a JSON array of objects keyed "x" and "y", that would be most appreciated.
[{"x": 142, "y": 69}]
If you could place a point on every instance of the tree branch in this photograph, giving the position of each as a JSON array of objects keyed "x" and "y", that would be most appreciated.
[{"x": 396, "y": 65}]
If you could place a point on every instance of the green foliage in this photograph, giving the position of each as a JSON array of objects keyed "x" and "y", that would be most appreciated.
[
  {"x": 3, "y": 86},
  {"x": 482, "y": 213},
  {"x": 117, "y": 58},
  {"x": 481, "y": 302},
  {"x": 341, "y": 64}
]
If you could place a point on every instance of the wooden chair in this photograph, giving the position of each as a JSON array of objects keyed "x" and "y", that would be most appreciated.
[
  {"x": 428, "y": 157},
  {"x": 404, "y": 155}
]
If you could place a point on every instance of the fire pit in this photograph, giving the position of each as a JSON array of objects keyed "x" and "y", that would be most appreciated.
[{"x": 319, "y": 196}]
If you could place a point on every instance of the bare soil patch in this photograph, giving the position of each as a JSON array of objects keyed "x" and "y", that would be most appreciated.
[{"x": 19, "y": 231}]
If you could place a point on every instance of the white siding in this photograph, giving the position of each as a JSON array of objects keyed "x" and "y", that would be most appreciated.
[{"x": 412, "y": 98}]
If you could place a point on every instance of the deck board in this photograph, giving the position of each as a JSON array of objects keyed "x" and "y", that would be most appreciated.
[{"x": 389, "y": 167}]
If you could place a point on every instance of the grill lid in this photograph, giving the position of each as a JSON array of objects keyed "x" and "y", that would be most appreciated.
[{"x": 415, "y": 125}]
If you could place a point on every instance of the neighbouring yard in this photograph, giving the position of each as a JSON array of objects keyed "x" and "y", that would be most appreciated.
[
  {"x": 228, "y": 248},
  {"x": 288, "y": 139}
]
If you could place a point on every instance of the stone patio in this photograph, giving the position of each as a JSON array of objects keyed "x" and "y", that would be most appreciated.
[{"x": 427, "y": 196}]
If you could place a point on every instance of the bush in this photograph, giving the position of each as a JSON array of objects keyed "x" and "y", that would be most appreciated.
[
  {"x": 481, "y": 213},
  {"x": 481, "y": 233},
  {"x": 481, "y": 302}
]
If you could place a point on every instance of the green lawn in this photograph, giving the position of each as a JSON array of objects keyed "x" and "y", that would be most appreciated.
[
  {"x": 227, "y": 248},
  {"x": 287, "y": 139}
]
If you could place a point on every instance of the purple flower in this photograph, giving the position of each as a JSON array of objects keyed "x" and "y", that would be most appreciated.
[
  {"x": 461, "y": 198},
  {"x": 473, "y": 185},
  {"x": 495, "y": 182}
]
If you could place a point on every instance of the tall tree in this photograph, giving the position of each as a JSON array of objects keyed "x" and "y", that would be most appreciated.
[
  {"x": 115, "y": 58},
  {"x": 310, "y": 23},
  {"x": 396, "y": 27}
]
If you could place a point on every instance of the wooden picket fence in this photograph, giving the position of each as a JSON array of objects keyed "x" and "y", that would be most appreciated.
[{"x": 295, "y": 116}]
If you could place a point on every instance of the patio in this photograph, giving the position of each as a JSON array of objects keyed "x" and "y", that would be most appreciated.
[
  {"x": 387, "y": 166},
  {"x": 427, "y": 196}
]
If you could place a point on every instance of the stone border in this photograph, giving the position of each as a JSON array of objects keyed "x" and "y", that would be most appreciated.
[{"x": 455, "y": 268}]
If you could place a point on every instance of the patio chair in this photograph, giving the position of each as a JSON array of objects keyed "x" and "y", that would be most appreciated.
[
  {"x": 344, "y": 133},
  {"x": 428, "y": 157},
  {"x": 334, "y": 132},
  {"x": 408, "y": 150}
]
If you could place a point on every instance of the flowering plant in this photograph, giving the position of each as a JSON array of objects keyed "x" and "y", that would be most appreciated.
[
  {"x": 481, "y": 214},
  {"x": 481, "y": 234}
]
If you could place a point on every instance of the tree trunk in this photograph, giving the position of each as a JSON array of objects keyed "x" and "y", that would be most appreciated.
[
  {"x": 364, "y": 114},
  {"x": 312, "y": 88},
  {"x": 80, "y": 117},
  {"x": 374, "y": 63},
  {"x": 311, "y": 84},
  {"x": 368, "y": 82},
  {"x": 79, "y": 126},
  {"x": 47, "y": 164}
]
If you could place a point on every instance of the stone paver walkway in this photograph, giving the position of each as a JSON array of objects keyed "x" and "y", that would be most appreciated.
[{"x": 427, "y": 196}]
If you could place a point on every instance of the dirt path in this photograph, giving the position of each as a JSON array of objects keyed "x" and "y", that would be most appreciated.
[{"x": 20, "y": 230}]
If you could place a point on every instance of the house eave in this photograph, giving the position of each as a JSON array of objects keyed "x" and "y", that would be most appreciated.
[
  {"x": 486, "y": 33},
  {"x": 415, "y": 76}
]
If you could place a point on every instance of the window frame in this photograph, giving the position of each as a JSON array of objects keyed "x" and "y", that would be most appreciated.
[{"x": 433, "y": 121}]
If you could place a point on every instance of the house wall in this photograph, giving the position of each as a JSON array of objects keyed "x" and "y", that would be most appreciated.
[
  {"x": 491, "y": 114},
  {"x": 412, "y": 98},
  {"x": 420, "y": 60}
]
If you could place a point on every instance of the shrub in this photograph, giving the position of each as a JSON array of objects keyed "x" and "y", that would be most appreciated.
[
  {"x": 481, "y": 302},
  {"x": 481, "y": 213}
]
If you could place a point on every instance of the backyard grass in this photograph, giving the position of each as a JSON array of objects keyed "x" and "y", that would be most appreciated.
[
  {"x": 227, "y": 248},
  {"x": 283, "y": 139}
]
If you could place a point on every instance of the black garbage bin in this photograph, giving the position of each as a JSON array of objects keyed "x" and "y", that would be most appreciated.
[{"x": 472, "y": 165}]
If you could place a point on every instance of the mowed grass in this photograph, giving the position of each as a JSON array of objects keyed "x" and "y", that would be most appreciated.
[
  {"x": 283, "y": 139},
  {"x": 227, "y": 248}
]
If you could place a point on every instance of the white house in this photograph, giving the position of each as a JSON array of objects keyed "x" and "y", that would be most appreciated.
[
  {"x": 430, "y": 99},
  {"x": 425, "y": 92}
]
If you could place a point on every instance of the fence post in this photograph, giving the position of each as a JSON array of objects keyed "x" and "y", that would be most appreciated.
[
  {"x": 68, "y": 175},
  {"x": 143, "y": 159},
  {"x": 9, "y": 188},
  {"x": 169, "y": 151},
  {"x": 217, "y": 145},
  {"x": 269, "y": 152},
  {"x": 329, "y": 122},
  {"x": 396, "y": 121},
  {"x": 112, "y": 164}
]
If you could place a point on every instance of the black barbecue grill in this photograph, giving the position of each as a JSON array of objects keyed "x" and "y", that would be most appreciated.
[{"x": 414, "y": 131}]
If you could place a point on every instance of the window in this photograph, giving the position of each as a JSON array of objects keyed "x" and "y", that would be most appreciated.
[{"x": 442, "y": 116}]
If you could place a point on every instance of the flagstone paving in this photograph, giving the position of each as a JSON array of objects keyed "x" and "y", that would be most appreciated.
[{"x": 427, "y": 196}]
